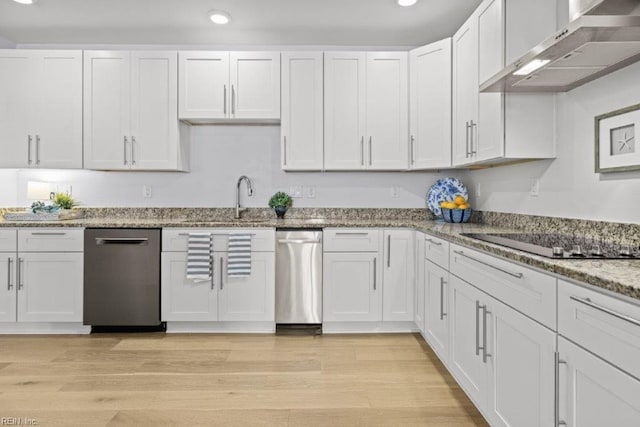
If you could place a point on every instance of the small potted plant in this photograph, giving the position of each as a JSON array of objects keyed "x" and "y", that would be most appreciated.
[
  {"x": 63, "y": 201},
  {"x": 280, "y": 202}
]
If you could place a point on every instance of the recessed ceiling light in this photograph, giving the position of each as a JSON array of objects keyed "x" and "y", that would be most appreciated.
[
  {"x": 219, "y": 17},
  {"x": 407, "y": 2},
  {"x": 25, "y": 1}
]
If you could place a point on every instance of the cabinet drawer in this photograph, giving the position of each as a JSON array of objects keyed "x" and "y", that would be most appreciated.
[
  {"x": 526, "y": 290},
  {"x": 437, "y": 251},
  {"x": 351, "y": 240},
  {"x": 607, "y": 326},
  {"x": 175, "y": 239},
  {"x": 51, "y": 240},
  {"x": 8, "y": 241}
]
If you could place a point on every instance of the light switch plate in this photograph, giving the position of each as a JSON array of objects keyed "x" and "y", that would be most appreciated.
[
  {"x": 310, "y": 192},
  {"x": 535, "y": 188},
  {"x": 147, "y": 192}
]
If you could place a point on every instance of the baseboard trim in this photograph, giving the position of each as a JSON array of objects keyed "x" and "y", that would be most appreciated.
[
  {"x": 368, "y": 327},
  {"x": 222, "y": 327},
  {"x": 44, "y": 328}
]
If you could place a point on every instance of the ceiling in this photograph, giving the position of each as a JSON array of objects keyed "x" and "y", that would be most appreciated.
[{"x": 254, "y": 22}]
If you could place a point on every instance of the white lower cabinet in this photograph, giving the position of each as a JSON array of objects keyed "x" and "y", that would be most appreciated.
[
  {"x": 419, "y": 293},
  {"x": 399, "y": 275},
  {"x": 501, "y": 358},
  {"x": 436, "y": 303},
  {"x": 352, "y": 287},
  {"x": 593, "y": 393},
  {"x": 9, "y": 289}
]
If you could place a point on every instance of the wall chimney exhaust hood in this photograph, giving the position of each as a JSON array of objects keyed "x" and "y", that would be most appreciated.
[{"x": 603, "y": 36}]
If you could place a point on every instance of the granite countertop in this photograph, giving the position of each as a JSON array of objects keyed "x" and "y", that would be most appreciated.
[{"x": 619, "y": 276}]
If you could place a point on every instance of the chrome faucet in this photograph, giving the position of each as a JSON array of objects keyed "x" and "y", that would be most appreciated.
[{"x": 249, "y": 193}]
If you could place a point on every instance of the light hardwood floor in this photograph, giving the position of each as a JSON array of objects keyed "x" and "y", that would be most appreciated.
[{"x": 253, "y": 380}]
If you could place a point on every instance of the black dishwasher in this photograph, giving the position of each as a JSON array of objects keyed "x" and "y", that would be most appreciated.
[{"x": 122, "y": 278}]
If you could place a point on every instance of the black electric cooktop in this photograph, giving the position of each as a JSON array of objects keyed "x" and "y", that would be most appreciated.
[{"x": 560, "y": 246}]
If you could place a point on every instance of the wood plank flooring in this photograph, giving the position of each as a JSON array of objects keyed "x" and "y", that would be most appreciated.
[{"x": 228, "y": 380}]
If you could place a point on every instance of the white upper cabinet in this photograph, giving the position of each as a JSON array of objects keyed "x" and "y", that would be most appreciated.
[
  {"x": 430, "y": 106},
  {"x": 41, "y": 108},
  {"x": 130, "y": 112},
  {"x": 366, "y": 110},
  {"x": 302, "y": 111},
  {"x": 229, "y": 85},
  {"x": 493, "y": 127}
]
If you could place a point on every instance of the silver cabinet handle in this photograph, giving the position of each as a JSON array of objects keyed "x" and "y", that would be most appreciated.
[
  {"x": 472, "y": 140},
  {"x": 29, "y": 139},
  {"x": 9, "y": 264},
  {"x": 140, "y": 241},
  {"x": 433, "y": 242},
  {"x": 411, "y": 150},
  {"x": 370, "y": 150},
  {"x": 221, "y": 273},
  {"x": 362, "y": 151},
  {"x": 478, "y": 348},
  {"x": 485, "y": 355},
  {"x": 389, "y": 250},
  {"x": 375, "y": 273},
  {"x": 19, "y": 272},
  {"x": 48, "y": 233},
  {"x": 37, "y": 150},
  {"x": 510, "y": 273},
  {"x": 224, "y": 104},
  {"x": 233, "y": 100},
  {"x": 298, "y": 241},
  {"x": 125, "y": 151},
  {"x": 347, "y": 233},
  {"x": 589, "y": 303},
  {"x": 285, "y": 150},
  {"x": 442, "y": 313},
  {"x": 556, "y": 381},
  {"x": 213, "y": 284},
  {"x": 133, "y": 150},
  {"x": 467, "y": 140}
]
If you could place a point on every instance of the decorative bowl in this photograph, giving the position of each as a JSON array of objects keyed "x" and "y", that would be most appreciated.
[{"x": 456, "y": 215}]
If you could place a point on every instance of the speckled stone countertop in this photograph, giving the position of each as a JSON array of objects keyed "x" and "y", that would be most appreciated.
[{"x": 619, "y": 276}]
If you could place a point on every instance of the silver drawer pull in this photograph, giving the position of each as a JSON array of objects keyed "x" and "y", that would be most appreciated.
[
  {"x": 510, "y": 273},
  {"x": 351, "y": 234},
  {"x": 49, "y": 233},
  {"x": 214, "y": 234},
  {"x": 142, "y": 241},
  {"x": 587, "y": 302},
  {"x": 433, "y": 242},
  {"x": 300, "y": 241}
]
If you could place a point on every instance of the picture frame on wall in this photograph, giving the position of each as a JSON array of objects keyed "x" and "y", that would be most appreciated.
[{"x": 617, "y": 148}]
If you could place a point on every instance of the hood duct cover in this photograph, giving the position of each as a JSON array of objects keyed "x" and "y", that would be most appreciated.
[{"x": 589, "y": 47}]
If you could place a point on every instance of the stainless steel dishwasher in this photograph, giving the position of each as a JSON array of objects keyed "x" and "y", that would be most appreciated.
[
  {"x": 299, "y": 281},
  {"x": 122, "y": 278}
]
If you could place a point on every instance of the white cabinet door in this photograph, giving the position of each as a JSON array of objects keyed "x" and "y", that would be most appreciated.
[
  {"x": 430, "y": 106},
  {"x": 58, "y": 116},
  {"x": 387, "y": 107},
  {"x": 154, "y": 110},
  {"x": 521, "y": 365},
  {"x": 204, "y": 91},
  {"x": 250, "y": 298},
  {"x": 465, "y": 89},
  {"x": 419, "y": 298},
  {"x": 255, "y": 85},
  {"x": 352, "y": 287},
  {"x": 107, "y": 110},
  {"x": 436, "y": 304},
  {"x": 17, "y": 107},
  {"x": 399, "y": 275},
  {"x": 8, "y": 287},
  {"x": 487, "y": 136},
  {"x": 344, "y": 110},
  {"x": 465, "y": 340},
  {"x": 182, "y": 298},
  {"x": 50, "y": 287},
  {"x": 302, "y": 115},
  {"x": 593, "y": 393}
]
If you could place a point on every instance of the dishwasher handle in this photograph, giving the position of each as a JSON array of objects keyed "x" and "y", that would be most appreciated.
[
  {"x": 138, "y": 241},
  {"x": 298, "y": 241}
]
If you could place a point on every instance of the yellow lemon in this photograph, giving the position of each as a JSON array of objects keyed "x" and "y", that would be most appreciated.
[
  {"x": 459, "y": 200},
  {"x": 464, "y": 206},
  {"x": 449, "y": 205}
]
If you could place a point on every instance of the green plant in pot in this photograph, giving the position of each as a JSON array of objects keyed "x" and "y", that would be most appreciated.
[
  {"x": 64, "y": 201},
  {"x": 280, "y": 202}
]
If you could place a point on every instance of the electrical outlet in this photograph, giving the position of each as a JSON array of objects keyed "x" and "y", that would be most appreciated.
[
  {"x": 535, "y": 188},
  {"x": 295, "y": 191},
  {"x": 310, "y": 192},
  {"x": 395, "y": 190},
  {"x": 478, "y": 191},
  {"x": 146, "y": 192}
]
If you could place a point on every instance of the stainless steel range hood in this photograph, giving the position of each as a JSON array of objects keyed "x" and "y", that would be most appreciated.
[{"x": 603, "y": 36}]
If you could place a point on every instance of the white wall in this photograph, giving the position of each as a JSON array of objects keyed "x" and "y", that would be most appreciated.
[
  {"x": 6, "y": 44},
  {"x": 220, "y": 154},
  {"x": 569, "y": 187}
]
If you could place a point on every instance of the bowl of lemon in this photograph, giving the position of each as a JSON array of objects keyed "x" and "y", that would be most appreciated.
[{"x": 456, "y": 211}]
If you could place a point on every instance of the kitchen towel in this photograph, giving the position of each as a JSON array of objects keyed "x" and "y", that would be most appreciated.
[
  {"x": 239, "y": 264},
  {"x": 199, "y": 265}
]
